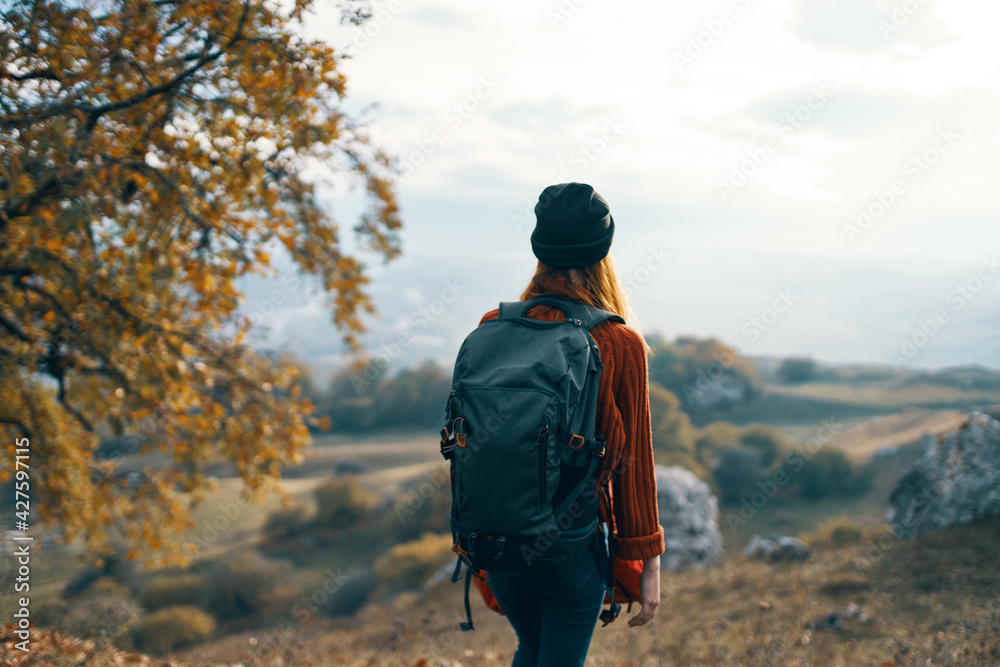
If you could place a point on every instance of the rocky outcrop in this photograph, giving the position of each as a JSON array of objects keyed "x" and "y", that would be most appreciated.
[
  {"x": 773, "y": 548},
  {"x": 689, "y": 514},
  {"x": 956, "y": 480}
]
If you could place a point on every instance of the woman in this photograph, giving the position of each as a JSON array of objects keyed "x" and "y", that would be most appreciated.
[{"x": 555, "y": 620}]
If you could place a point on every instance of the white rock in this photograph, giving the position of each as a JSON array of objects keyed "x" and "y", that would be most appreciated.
[
  {"x": 689, "y": 514},
  {"x": 775, "y": 548},
  {"x": 956, "y": 480}
]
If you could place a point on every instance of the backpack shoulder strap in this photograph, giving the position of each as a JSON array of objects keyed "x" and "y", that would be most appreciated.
[{"x": 584, "y": 315}]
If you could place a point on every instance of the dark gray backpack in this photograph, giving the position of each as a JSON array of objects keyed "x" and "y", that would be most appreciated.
[{"x": 520, "y": 435}]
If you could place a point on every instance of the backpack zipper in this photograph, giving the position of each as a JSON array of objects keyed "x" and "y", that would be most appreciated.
[
  {"x": 540, "y": 443},
  {"x": 447, "y": 407},
  {"x": 597, "y": 355}
]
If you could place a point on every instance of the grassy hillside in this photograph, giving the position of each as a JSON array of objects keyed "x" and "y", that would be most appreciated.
[
  {"x": 935, "y": 599},
  {"x": 930, "y": 601}
]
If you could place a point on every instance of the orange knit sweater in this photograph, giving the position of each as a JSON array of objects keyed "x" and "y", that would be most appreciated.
[{"x": 623, "y": 420}]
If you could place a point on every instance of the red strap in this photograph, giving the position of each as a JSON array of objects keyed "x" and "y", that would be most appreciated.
[{"x": 484, "y": 589}]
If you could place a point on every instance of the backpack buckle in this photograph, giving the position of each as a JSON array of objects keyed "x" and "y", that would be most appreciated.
[
  {"x": 458, "y": 428},
  {"x": 577, "y": 438},
  {"x": 463, "y": 554},
  {"x": 599, "y": 440},
  {"x": 448, "y": 443}
]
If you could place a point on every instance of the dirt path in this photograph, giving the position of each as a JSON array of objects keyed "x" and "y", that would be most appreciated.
[{"x": 861, "y": 441}]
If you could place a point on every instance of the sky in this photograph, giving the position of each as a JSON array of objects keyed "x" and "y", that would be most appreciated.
[{"x": 795, "y": 177}]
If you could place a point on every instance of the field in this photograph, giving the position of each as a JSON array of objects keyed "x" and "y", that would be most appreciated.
[
  {"x": 929, "y": 601},
  {"x": 936, "y": 599}
]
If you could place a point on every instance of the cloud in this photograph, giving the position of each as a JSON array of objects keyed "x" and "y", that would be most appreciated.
[
  {"x": 870, "y": 26},
  {"x": 848, "y": 113},
  {"x": 890, "y": 96},
  {"x": 440, "y": 17}
]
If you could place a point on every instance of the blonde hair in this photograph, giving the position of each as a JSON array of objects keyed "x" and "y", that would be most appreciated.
[{"x": 596, "y": 285}]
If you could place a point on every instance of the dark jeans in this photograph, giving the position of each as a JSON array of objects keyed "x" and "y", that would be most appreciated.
[{"x": 554, "y": 620}]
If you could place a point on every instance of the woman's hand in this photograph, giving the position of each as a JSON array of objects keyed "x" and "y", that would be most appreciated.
[{"x": 649, "y": 592}]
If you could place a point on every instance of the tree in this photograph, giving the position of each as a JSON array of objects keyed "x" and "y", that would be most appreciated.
[
  {"x": 151, "y": 152},
  {"x": 701, "y": 372},
  {"x": 794, "y": 370},
  {"x": 413, "y": 397}
]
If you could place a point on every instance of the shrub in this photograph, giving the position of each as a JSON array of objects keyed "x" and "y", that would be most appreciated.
[
  {"x": 671, "y": 427},
  {"x": 240, "y": 587},
  {"x": 737, "y": 473},
  {"x": 410, "y": 565},
  {"x": 173, "y": 628},
  {"x": 341, "y": 501},
  {"x": 765, "y": 439},
  {"x": 424, "y": 506},
  {"x": 104, "y": 616},
  {"x": 174, "y": 590},
  {"x": 347, "y": 598},
  {"x": 114, "y": 564},
  {"x": 52, "y": 612},
  {"x": 285, "y": 522},
  {"x": 712, "y": 439},
  {"x": 106, "y": 587},
  {"x": 836, "y": 534},
  {"x": 830, "y": 472}
]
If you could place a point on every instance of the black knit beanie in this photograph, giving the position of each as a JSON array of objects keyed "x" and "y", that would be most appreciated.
[{"x": 574, "y": 226}]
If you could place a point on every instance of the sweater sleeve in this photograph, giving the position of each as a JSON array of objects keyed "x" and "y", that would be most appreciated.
[{"x": 639, "y": 534}]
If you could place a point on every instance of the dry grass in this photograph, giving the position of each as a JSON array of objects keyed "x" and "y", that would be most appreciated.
[
  {"x": 860, "y": 442},
  {"x": 936, "y": 599},
  {"x": 890, "y": 393}
]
